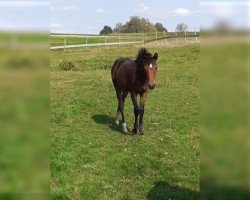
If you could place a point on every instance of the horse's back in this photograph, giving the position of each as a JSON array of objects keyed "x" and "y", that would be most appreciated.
[
  {"x": 120, "y": 71},
  {"x": 115, "y": 67}
]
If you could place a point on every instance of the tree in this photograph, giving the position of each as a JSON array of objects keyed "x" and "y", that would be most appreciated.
[
  {"x": 119, "y": 28},
  {"x": 223, "y": 26},
  {"x": 181, "y": 27},
  {"x": 106, "y": 30},
  {"x": 134, "y": 25},
  {"x": 160, "y": 27},
  {"x": 139, "y": 25},
  {"x": 147, "y": 26}
]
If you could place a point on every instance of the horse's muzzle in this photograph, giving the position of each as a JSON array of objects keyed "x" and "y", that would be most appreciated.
[{"x": 151, "y": 86}]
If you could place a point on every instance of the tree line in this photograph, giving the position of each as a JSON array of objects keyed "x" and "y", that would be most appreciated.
[{"x": 139, "y": 25}]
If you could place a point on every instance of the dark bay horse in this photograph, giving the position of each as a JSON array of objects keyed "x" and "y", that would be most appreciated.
[{"x": 134, "y": 77}]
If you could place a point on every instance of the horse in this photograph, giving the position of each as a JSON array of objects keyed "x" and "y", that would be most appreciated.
[{"x": 135, "y": 77}]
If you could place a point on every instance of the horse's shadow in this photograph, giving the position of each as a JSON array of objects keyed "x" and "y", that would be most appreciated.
[
  {"x": 108, "y": 121},
  {"x": 162, "y": 191}
]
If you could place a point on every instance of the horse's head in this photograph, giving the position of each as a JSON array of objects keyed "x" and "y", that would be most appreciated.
[{"x": 151, "y": 67}]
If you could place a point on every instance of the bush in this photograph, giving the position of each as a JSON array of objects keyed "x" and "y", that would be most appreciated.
[{"x": 66, "y": 65}]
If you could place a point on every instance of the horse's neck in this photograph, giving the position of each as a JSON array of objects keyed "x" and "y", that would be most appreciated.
[{"x": 141, "y": 74}]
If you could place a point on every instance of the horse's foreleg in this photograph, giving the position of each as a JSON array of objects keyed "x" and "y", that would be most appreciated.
[
  {"x": 141, "y": 111},
  {"x": 136, "y": 111}
]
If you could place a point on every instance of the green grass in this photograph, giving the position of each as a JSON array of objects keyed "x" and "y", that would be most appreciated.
[
  {"x": 10, "y": 37},
  {"x": 225, "y": 119},
  {"x": 92, "y": 159}
]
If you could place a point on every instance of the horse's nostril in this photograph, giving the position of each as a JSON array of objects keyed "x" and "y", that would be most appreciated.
[{"x": 151, "y": 86}]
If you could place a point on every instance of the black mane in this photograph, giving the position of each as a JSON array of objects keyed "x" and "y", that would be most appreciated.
[{"x": 143, "y": 54}]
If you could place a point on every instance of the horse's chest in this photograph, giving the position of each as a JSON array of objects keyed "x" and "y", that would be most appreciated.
[{"x": 138, "y": 88}]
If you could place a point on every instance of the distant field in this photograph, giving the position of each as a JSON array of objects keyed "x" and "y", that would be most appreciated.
[
  {"x": 8, "y": 37},
  {"x": 92, "y": 159}
]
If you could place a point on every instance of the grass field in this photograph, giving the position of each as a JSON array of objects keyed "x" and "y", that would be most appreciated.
[{"x": 92, "y": 159}]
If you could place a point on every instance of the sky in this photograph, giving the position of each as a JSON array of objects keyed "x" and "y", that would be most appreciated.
[
  {"x": 22, "y": 15},
  {"x": 90, "y": 16}
]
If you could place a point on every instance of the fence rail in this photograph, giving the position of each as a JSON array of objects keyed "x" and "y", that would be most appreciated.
[
  {"x": 66, "y": 41},
  {"x": 93, "y": 45}
]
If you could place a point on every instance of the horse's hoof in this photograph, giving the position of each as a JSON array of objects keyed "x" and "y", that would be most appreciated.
[
  {"x": 117, "y": 122},
  {"x": 124, "y": 127},
  {"x": 134, "y": 131},
  {"x": 141, "y": 131}
]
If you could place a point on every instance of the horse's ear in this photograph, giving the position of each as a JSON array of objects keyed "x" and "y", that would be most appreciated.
[
  {"x": 145, "y": 56},
  {"x": 155, "y": 57}
]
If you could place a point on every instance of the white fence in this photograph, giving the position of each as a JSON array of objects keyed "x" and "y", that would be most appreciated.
[{"x": 65, "y": 41}]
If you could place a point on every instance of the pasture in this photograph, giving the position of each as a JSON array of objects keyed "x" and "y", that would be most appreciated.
[{"x": 91, "y": 158}]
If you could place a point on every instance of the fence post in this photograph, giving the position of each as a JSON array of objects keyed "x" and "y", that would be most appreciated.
[
  {"x": 175, "y": 36},
  {"x": 165, "y": 38},
  {"x": 185, "y": 35},
  {"x": 106, "y": 40},
  {"x": 119, "y": 40},
  {"x": 195, "y": 34},
  {"x": 65, "y": 43},
  {"x": 156, "y": 35},
  {"x": 14, "y": 40}
]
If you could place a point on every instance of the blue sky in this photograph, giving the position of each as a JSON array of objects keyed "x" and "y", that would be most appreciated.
[
  {"x": 89, "y": 16},
  {"x": 22, "y": 15}
]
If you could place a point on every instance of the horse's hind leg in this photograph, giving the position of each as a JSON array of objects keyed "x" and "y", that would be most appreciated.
[
  {"x": 117, "y": 116},
  {"x": 124, "y": 125},
  {"x": 121, "y": 96},
  {"x": 118, "y": 94}
]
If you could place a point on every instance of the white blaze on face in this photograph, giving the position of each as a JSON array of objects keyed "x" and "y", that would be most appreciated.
[{"x": 150, "y": 66}]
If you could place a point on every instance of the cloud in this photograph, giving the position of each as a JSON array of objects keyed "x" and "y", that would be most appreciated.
[
  {"x": 56, "y": 25},
  {"x": 68, "y": 8},
  {"x": 24, "y": 3},
  {"x": 182, "y": 11},
  {"x": 223, "y": 9},
  {"x": 142, "y": 8},
  {"x": 179, "y": 12},
  {"x": 100, "y": 11},
  {"x": 63, "y": 8},
  {"x": 5, "y": 24}
]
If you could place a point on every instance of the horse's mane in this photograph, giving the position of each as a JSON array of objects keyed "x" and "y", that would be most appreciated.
[{"x": 143, "y": 54}]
